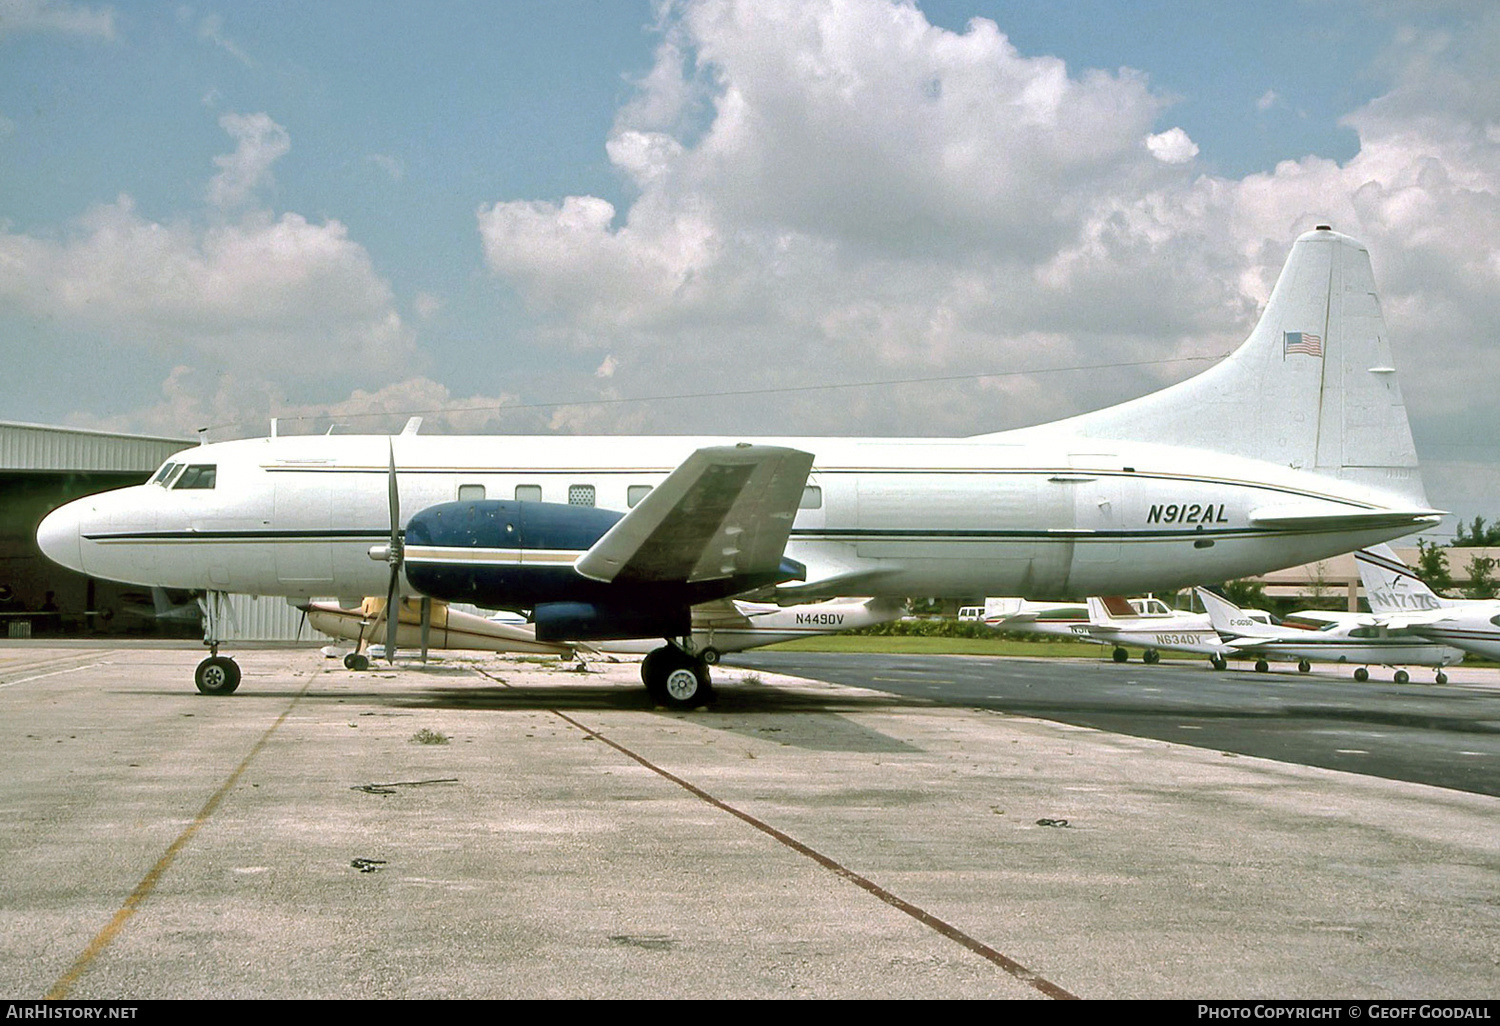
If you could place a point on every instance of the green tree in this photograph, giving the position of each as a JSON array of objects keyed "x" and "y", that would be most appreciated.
[
  {"x": 1432, "y": 567},
  {"x": 1482, "y": 584},
  {"x": 1477, "y": 534},
  {"x": 1246, "y": 594}
]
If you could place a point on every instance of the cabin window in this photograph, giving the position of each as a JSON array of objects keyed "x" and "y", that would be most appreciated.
[
  {"x": 470, "y": 493},
  {"x": 528, "y": 493},
  {"x": 197, "y": 475},
  {"x": 160, "y": 477},
  {"x": 580, "y": 495},
  {"x": 635, "y": 493},
  {"x": 812, "y": 498}
]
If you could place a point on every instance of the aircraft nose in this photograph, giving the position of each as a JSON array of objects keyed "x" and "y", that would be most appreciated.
[{"x": 58, "y": 536}]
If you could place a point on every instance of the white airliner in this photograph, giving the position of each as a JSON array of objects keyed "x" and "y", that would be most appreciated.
[
  {"x": 1404, "y": 603},
  {"x": 1364, "y": 641},
  {"x": 1292, "y": 449}
]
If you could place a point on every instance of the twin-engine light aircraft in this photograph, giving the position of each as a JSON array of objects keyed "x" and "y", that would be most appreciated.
[
  {"x": 1403, "y": 602},
  {"x": 1359, "y": 639},
  {"x": 1292, "y": 449}
]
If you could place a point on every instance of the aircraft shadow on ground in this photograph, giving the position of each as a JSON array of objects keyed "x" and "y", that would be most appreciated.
[{"x": 739, "y": 707}]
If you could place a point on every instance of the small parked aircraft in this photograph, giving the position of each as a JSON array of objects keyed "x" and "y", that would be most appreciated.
[
  {"x": 1359, "y": 640},
  {"x": 1404, "y": 602}
]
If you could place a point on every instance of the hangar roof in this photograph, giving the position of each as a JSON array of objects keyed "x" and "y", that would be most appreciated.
[{"x": 36, "y": 447}]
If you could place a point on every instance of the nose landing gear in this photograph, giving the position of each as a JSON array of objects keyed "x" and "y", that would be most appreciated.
[{"x": 216, "y": 675}]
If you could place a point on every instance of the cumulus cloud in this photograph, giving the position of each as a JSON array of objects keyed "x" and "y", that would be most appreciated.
[
  {"x": 262, "y": 298},
  {"x": 828, "y": 192},
  {"x": 233, "y": 404},
  {"x": 1172, "y": 146},
  {"x": 261, "y": 142}
]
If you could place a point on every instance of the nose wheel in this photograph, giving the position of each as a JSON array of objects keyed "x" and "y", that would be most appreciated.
[
  {"x": 217, "y": 675},
  {"x": 675, "y": 679}
]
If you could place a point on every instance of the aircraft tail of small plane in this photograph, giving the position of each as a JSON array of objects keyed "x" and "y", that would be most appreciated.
[
  {"x": 1391, "y": 586},
  {"x": 1313, "y": 387},
  {"x": 1108, "y": 610},
  {"x": 1229, "y": 619}
]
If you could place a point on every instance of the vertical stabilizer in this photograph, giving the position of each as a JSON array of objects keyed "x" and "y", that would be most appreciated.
[
  {"x": 1391, "y": 586},
  {"x": 1313, "y": 387},
  {"x": 1226, "y": 617}
]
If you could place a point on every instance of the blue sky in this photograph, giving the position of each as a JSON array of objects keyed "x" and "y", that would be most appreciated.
[{"x": 214, "y": 214}]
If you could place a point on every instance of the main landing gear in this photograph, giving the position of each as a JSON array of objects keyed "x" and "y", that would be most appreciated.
[
  {"x": 675, "y": 679},
  {"x": 216, "y": 675}
]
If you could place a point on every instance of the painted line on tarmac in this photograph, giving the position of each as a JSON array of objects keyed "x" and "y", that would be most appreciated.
[
  {"x": 953, "y": 933},
  {"x": 148, "y": 883},
  {"x": 54, "y": 673}
]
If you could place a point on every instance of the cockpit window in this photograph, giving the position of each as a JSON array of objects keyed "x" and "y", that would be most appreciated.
[
  {"x": 197, "y": 475},
  {"x": 165, "y": 472}
]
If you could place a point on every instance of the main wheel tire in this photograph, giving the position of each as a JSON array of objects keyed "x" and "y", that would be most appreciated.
[
  {"x": 1442, "y": 678},
  {"x": 1121, "y": 656},
  {"x": 1304, "y": 667},
  {"x": 648, "y": 664},
  {"x": 356, "y": 661},
  {"x": 1402, "y": 677},
  {"x": 710, "y": 656},
  {"x": 1261, "y": 666},
  {"x": 217, "y": 675},
  {"x": 1151, "y": 657},
  {"x": 1361, "y": 674},
  {"x": 677, "y": 680},
  {"x": 1219, "y": 662}
]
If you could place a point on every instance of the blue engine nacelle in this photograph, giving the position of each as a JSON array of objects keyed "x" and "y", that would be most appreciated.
[
  {"x": 505, "y": 554},
  {"x": 590, "y": 621}
]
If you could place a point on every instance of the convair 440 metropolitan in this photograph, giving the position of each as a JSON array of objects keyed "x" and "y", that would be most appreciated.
[{"x": 1292, "y": 449}]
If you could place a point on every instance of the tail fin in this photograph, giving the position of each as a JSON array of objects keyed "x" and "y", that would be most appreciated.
[
  {"x": 1313, "y": 387},
  {"x": 1223, "y": 614},
  {"x": 1390, "y": 584},
  {"x": 1001, "y": 608},
  {"x": 1110, "y": 609}
]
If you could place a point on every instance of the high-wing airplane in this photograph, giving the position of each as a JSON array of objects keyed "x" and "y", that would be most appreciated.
[
  {"x": 1364, "y": 642},
  {"x": 1292, "y": 449},
  {"x": 1404, "y": 602}
]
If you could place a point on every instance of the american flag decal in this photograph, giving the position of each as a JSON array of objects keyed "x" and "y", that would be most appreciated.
[{"x": 1304, "y": 342}]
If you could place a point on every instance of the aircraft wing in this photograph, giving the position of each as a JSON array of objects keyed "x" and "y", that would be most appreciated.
[
  {"x": 831, "y": 584},
  {"x": 721, "y": 614},
  {"x": 1414, "y": 618},
  {"x": 726, "y": 511}
]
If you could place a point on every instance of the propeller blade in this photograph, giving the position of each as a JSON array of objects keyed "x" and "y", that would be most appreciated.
[
  {"x": 392, "y": 597},
  {"x": 426, "y": 624},
  {"x": 392, "y": 616}
]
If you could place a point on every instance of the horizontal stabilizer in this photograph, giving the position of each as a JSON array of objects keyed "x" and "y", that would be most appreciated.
[
  {"x": 725, "y": 512},
  {"x": 1329, "y": 517}
]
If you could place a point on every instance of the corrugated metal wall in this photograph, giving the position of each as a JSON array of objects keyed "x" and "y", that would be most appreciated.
[
  {"x": 267, "y": 619},
  {"x": 34, "y": 447}
]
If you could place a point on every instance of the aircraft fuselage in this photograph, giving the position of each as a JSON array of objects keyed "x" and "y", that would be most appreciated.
[{"x": 297, "y": 516}]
